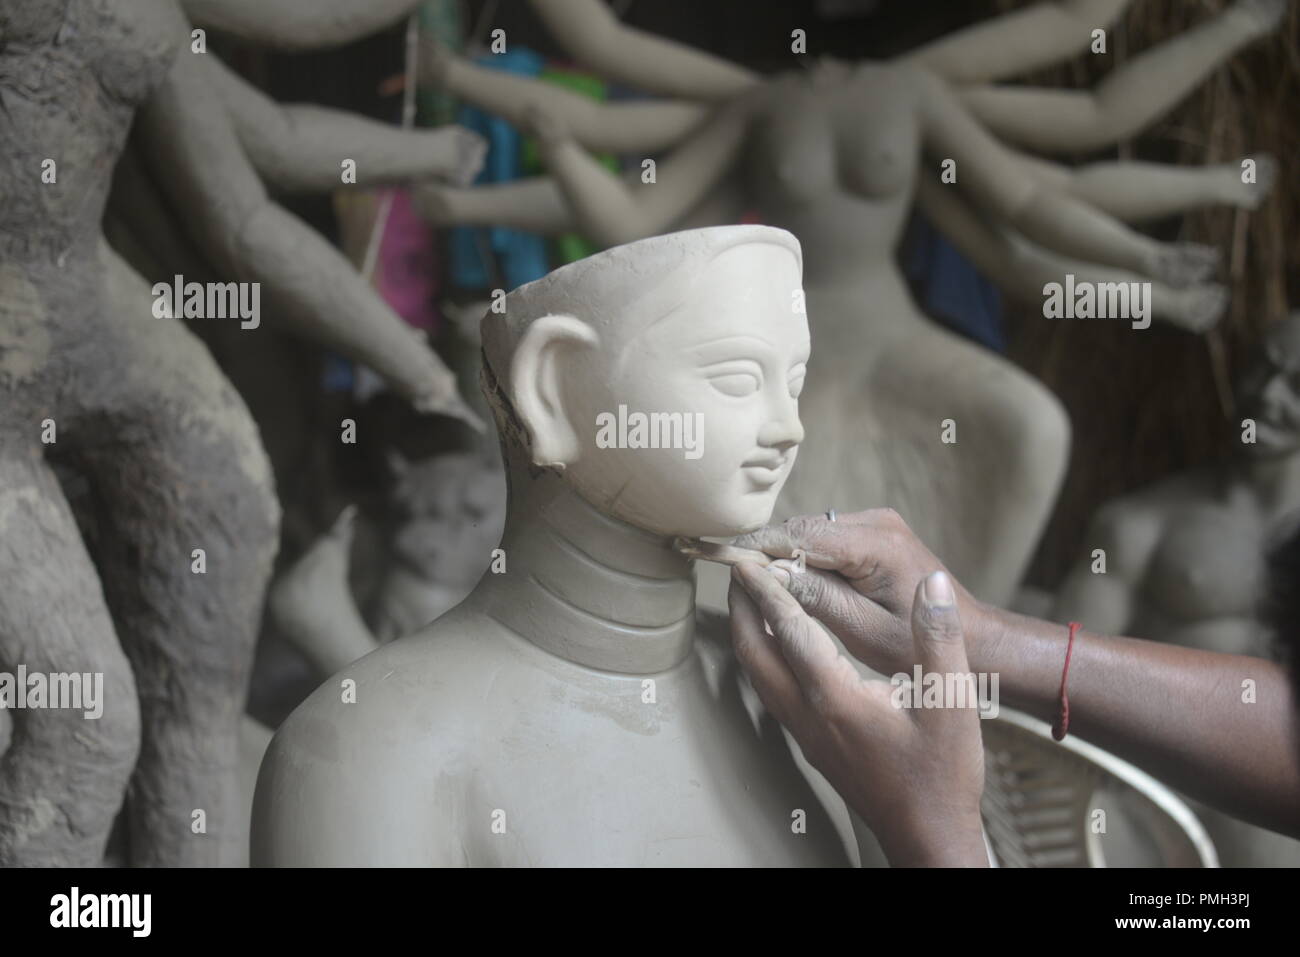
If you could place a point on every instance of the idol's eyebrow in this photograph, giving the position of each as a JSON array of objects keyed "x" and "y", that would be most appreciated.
[{"x": 730, "y": 347}]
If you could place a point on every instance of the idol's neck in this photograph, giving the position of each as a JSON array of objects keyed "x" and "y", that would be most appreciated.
[{"x": 587, "y": 587}]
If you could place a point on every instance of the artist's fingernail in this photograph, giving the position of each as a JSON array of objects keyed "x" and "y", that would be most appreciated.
[
  {"x": 938, "y": 590},
  {"x": 781, "y": 575}
]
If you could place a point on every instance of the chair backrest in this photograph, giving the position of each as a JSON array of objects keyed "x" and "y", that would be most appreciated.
[{"x": 1052, "y": 804}]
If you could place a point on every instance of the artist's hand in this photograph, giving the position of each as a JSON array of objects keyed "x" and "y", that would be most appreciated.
[
  {"x": 914, "y": 775},
  {"x": 858, "y": 576}
]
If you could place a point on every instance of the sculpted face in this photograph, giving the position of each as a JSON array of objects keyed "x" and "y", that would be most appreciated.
[
  {"x": 450, "y": 510},
  {"x": 717, "y": 381},
  {"x": 1271, "y": 392}
]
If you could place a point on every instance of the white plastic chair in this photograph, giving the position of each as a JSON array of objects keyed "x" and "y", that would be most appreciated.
[{"x": 1044, "y": 801}]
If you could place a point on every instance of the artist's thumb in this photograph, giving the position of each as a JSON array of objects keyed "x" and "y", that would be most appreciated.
[{"x": 936, "y": 626}]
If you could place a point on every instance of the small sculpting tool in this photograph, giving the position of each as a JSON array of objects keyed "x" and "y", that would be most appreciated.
[{"x": 695, "y": 548}]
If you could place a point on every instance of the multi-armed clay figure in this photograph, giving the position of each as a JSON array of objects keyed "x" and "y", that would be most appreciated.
[
  {"x": 834, "y": 154},
  {"x": 93, "y": 377}
]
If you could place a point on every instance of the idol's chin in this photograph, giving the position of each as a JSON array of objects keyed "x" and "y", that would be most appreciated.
[
  {"x": 742, "y": 521},
  {"x": 737, "y": 510}
]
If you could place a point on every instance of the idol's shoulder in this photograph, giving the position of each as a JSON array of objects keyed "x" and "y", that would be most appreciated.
[{"x": 368, "y": 767}]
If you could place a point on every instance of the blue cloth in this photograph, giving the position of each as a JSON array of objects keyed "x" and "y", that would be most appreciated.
[
  {"x": 521, "y": 256},
  {"x": 336, "y": 374},
  {"x": 951, "y": 289}
]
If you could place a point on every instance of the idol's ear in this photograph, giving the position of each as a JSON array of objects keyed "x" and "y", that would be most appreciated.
[{"x": 542, "y": 357}]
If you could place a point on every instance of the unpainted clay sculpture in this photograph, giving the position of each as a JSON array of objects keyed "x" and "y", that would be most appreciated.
[
  {"x": 91, "y": 376},
  {"x": 452, "y": 513},
  {"x": 1183, "y": 560},
  {"x": 833, "y": 153},
  {"x": 310, "y": 605},
  {"x": 138, "y": 405},
  {"x": 1185, "y": 556},
  {"x": 449, "y": 512},
  {"x": 577, "y": 709},
  {"x": 210, "y": 141}
]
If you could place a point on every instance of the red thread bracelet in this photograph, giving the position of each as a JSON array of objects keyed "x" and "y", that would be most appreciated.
[{"x": 1062, "y": 726}]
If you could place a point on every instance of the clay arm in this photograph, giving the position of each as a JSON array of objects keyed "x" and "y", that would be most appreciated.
[
  {"x": 1130, "y": 98},
  {"x": 312, "y": 605},
  {"x": 610, "y": 210},
  {"x": 614, "y": 127},
  {"x": 1175, "y": 712},
  {"x": 590, "y": 33},
  {"x": 301, "y": 148},
  {"x": 196, "y": 158},
  {"x": 988, "y": 174},
  {"x": 1023, "y": 270},
  {"x": 298, "y": 24},
  {"x": 538, "y": 205},
  {"x": 1135, "y": 192},
  {"x": 534, "y": 203},
  {"x": 1017, "y": 42}
]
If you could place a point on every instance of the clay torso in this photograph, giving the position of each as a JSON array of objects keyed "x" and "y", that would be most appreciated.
[
  {"x": 469, "y": 746},
  {"x": 1202, "y": 586},
  {"x": 71, "y": 76},
  {"x": 833, "y": 159}
]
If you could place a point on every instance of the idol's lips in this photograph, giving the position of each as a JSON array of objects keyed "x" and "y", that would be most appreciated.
[
  {"x": 769, "y": 463},
  {"x": 764, "y": 476}
]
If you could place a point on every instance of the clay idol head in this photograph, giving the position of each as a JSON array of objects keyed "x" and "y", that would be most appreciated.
[
  {"x": 660, "y": 378},
  {"x": 1270, "y": 391}
]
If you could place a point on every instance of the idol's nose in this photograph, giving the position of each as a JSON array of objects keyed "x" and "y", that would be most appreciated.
[{"x": 783, "y": 431}]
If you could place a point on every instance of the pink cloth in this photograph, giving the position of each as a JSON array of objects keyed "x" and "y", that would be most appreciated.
[{"x": 406, "y": 274}]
